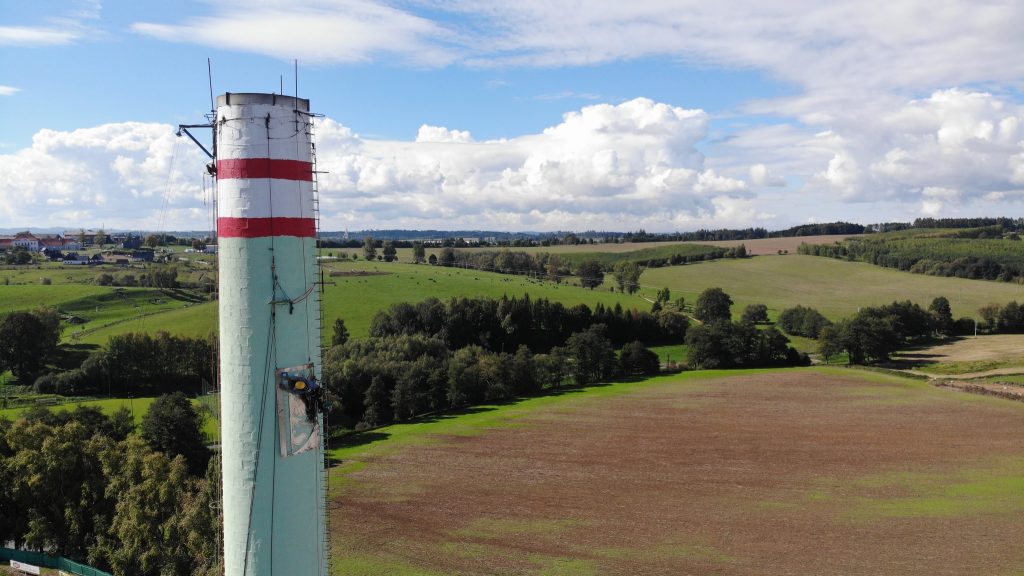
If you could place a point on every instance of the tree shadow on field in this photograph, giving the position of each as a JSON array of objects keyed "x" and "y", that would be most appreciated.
[
  {"x": 184, "y": 295},
  {"x": 918, "y": 355},
  {"x": 358, "y": 439},
  {"x": 910, "y": 360},
  {"x": 449, "y": 414}
]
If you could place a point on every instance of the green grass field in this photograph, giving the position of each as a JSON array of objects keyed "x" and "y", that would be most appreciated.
[
  {"x": 106, "y": 310},
  {"x": 193, "y": 320},
  {"x": 138, "y": 406},
  {"x": 836, "y": 288},
  {"x": 357, "y": 299}
]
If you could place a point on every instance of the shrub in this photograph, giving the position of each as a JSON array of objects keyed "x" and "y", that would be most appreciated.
[{"x": 755, "y": 314}]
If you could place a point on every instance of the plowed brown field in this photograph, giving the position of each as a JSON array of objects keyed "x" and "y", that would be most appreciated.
[{"x": 800, "y": 472}]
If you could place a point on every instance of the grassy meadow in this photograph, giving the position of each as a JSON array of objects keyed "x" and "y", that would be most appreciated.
[
  {"x": 836, "y": 288},
  {"x": 138, "y": 406},
  {"x": 357, "y": 299}
]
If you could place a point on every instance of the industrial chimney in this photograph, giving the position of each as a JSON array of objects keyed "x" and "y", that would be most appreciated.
[{"x": 271, "y": 421}]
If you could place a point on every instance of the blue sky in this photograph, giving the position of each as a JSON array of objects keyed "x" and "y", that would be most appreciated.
[{"x": 538, "y": 115}]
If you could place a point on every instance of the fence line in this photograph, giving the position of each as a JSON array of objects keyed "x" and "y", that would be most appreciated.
[{"x": 47, "y": 561}]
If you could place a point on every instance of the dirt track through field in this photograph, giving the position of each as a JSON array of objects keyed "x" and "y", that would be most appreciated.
[{"x": 799, "y": 472}]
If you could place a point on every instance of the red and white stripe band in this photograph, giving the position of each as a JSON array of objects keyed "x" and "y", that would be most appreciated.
[
  {"x": 265, "y": 227},
  {"x": 228, "y": 169}
]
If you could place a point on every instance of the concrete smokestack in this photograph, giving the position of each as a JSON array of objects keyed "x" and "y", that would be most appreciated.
[{"x": 269, "y": 337}]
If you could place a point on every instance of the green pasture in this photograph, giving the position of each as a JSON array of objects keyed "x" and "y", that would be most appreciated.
[
  {"x": 405, "y": 254},
  {"x": 105, "y": 310},
  {"x": 138, "y": 407},
  {"x": 33, "y": 274},
  {"x": 110, "y": 311},
  {"x": 673, "y": 352},
  {"x": 28, "y": 296},
  {"x": 606, "y": 254},
  {"x": 184, "y": 319},
  {"x": 357, "y": 299},
  {"x": 836, "y": 288}
]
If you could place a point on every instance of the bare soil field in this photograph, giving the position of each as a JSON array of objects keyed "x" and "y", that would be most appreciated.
[
  {"x": 970, "y": 357},
  {"x": 797, "y": 472},
  {"x": 973, "y": 349}
]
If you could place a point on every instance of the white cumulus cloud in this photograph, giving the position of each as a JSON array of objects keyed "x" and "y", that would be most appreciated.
[
  {"x": 954, "y": 140},
  {"x": 624, "y": 166},
  {"x": 132, "y": 174}
]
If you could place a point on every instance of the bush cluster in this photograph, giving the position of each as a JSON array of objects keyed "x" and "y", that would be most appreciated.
[{"x": 141, "y": 363}]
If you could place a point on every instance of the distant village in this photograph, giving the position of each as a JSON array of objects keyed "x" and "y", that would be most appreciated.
[{"x": 70, "y": 247}]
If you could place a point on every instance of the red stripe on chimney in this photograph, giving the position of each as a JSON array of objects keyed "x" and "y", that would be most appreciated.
[
  {"x": 264, "y": 168},
  {"x": 265, "y": 227}
]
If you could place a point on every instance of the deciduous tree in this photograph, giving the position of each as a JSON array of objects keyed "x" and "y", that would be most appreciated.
[
  {"x": 369, "y": 248},
  {"x": 173, "y": 425},
  {"x": 627, "y": 276},
  {"x": 942, "y": 314},
  {"x": 755, "y": 314},
  {"x": 590, "y": 273},
  {"x": 390, "y": 253},
  {"x": 25, "y": 344},
  {"x": 636, "y": 359},
  {"x": 713, "y": 305}
]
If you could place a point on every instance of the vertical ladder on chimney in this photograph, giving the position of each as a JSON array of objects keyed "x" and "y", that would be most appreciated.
[{"x": 324, "y": 469}]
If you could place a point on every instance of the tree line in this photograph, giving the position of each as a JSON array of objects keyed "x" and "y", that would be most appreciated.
[
  {"x": 1002, "y": 222},
  {"x": 138, "y": 364},
  {"x": 396, "y": 377},
  {"x": 706, "y": 235},
  {"x": 1007, "y": 319},
  {"x": 506, "y": 323},
  {"x": 90, "y": 487}
]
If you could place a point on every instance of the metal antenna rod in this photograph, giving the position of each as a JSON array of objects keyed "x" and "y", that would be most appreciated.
[{"x": 209, "y": 75}]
